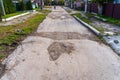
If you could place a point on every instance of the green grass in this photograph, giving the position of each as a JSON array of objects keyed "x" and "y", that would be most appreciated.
[
  {"x": 1, "y": 56},
  {"x": 37, "y": 9},
  {"x": 47, "y": 6},
  {"x": 12, "y": 14},
  {"x": 88, "y": 21},
  {"x": 111, "y": 20},
  {"x": 89, "y": 15},
  {"x": 10, "y": 35},
  {"x": 82, "y": 18},
  {"x": 45, "y": 11}
]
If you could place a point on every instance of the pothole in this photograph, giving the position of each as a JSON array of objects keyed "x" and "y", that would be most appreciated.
[
  {"x": 63, "y": 16},
  {"x": 65, "y": 35},
  {"x": 58, "y": 48}
]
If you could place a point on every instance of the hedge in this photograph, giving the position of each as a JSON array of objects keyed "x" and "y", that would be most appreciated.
[{"x": 9, "y": 6}]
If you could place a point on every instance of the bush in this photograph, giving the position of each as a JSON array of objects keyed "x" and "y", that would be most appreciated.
[
  {"x": 29, "y": 5},
  {"x": 53, "y": 2},
  {"x": 0, "y": 13},
  {"x": 9, "y": 6},
  {"x": 61, "y": 2},
  {"x": 20, "y": 6}
]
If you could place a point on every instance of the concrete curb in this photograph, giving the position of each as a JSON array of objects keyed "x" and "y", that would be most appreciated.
[
  {"x": 111, "y": 43},
  {"x": 88, "y": 26},
  {"x": 10, "y": 18}
]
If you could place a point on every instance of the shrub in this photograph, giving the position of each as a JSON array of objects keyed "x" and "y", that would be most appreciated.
[
  {"x": 0, "y": 13},
  {"x": 9, "y": 6},
  {"x": 29, "y": 5},
  {"x": 61, "y": 2}
]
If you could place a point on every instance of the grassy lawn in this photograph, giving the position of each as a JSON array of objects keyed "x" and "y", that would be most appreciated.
[
  {"x": 12, "y": 35},
  {"x": 44, "y": 11},
  {"x": 82, "y": 18},
  {"x": 37, "y": 9},
  {"x": 88, "y": 21},
  {"x": 12, "y": 14},
  {"x": 47, "y": 6},
  {"x": 111, "y": 20}
]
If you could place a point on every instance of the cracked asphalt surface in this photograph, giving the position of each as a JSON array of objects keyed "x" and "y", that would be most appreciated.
[{"x": 62, "y": 49}]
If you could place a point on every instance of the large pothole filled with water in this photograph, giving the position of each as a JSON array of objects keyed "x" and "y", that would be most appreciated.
[{"x": 56, "y": 49}]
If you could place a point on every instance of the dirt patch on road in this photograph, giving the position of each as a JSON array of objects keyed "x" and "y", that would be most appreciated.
[
  {"x": 63, "y": 16},
  {"x": 66, "y": 35},
  {"x": 58, "y": 48}
]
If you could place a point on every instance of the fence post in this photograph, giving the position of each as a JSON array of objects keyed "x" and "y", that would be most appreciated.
[{"x": 113, "y": 10}]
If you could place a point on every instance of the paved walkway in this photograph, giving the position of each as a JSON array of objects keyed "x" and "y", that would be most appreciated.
[
  {"x": 17, "y": 19},
  {"x": 62, "y": 49}
]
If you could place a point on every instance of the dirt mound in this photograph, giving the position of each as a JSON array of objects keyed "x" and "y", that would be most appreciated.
[{"x": 58, "y": 48}]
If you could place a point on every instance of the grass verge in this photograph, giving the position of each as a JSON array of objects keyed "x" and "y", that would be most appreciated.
[
  {"x": 10, "y": 36},
  {"x": 111, "y": 20},
  {"x": 13, "y": 14},
  {"x": 88, "y": 21}
]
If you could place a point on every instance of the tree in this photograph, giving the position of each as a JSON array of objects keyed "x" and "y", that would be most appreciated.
[
  {"x": 47, "y": 2},
  {"x": 22, "y": 6},
  {"x": 61, "y": 2},
  {"x": 29, "y": 5},
  {"x": 100, "y": 4},
  {"x": 9, "y": 6},
  {"x": 53, "y": 2},
  {"x": 0, "y": 13}
]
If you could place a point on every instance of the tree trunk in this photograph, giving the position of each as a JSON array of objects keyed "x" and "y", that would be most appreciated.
[
  {"x": 0, "y": 16},
  {"x": 86, "y": 5},
  {"x": 100, "y": 8}
]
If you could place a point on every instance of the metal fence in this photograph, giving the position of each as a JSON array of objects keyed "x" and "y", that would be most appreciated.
[{"x": 110, "y": 10}]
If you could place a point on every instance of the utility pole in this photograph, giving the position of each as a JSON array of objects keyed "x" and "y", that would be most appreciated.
[
  {"x": 41, "y": 4},
  {"x": 71, "y": 3},
  {"x": 3, "y": 9},
  {"x": 86, "y": 5}
]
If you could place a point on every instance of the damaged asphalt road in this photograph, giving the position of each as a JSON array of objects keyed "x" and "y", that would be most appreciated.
[{"x": 62, "y": 49}]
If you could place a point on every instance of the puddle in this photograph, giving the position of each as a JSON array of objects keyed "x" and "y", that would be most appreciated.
[{"x": 58, "y": 48}]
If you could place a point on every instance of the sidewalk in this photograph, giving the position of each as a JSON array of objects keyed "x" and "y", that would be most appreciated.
[
  {"x": 62, "y": 49},
  {"x": 110, "y": 32}
]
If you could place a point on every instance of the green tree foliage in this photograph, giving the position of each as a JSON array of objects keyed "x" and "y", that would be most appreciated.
[
  {"x": 53, "y": 2},
  {"x": 0, "y": 13},
  {"x": 29, "y": 5},
  {"x": 102, "y": 1},
  {"x": 61, "y": 2},
  {"x": 20, "y": 6},
  {"x": 47, "y": 2},
  {"x": 9, "y": 6}
]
